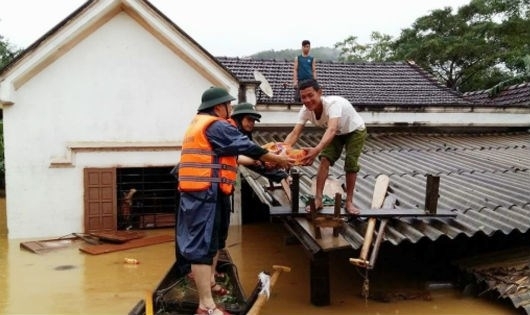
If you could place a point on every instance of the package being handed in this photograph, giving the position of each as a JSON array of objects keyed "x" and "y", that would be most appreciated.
[{"x": 281, "y": 148}]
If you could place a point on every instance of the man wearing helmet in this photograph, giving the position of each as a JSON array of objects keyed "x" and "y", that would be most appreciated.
[
  {"x": 244, "y": 116},
  {"x": 207, "y": 173}
]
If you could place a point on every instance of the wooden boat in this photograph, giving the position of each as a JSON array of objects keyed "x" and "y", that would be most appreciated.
[{"x": 176, "y": 294}]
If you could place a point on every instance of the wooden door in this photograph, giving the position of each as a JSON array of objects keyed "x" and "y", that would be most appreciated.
[{"x": 100, "y": 199}]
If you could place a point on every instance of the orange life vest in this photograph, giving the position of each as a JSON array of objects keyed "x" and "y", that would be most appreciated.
[{"x": 197, "y": 160}]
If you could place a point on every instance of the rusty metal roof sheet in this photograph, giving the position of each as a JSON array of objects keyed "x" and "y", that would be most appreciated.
[
  {"x": 507, "y": 272},
  {"x": 484, "y": 178}
]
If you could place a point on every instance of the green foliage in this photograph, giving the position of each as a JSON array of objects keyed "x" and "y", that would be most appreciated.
[
  {"x": 524, "y": 77},
  {"x": 486, "y": 79},
  {"x": 379, "y": 49},
  {"x": 7, "y": 52},
  {"x": 483, "y": 42},
  {"x": 320, "y": 53}
]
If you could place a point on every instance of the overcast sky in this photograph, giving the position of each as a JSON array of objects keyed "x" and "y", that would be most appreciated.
[{"x": 241, "y": 28}]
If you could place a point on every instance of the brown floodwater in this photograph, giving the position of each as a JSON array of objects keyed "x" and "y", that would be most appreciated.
[{"x": 67, "y": 281}]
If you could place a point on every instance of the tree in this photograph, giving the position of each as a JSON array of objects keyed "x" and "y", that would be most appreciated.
[
  {"x": 379, "y": 49},
  {"x": 484, "y": 41},
  {"x": 320, "y": 53},
  {"x": 7, "y": 52},
  {"x": 512, "y": 28}
]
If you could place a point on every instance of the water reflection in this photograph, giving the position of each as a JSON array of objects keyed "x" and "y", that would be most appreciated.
[{"x": 68, "y": 281}]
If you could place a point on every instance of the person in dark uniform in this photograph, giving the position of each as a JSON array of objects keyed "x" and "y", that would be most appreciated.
[
  {"x": 207, "y": 174},
  {"x": 244, "y": 116}
]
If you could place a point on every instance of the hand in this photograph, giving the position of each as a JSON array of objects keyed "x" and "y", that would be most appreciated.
[
  {"x": 285, "y": 161},
  {"x": 311, "y": 155},
  {"x": 270, "y": 165}
]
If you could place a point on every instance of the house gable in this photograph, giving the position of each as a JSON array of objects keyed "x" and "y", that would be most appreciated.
[
  {"x": 87, "y": 20},
  {"x": 113, "y": 86}
]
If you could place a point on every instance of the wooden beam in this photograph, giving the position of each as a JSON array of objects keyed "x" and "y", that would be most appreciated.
[
  {"x": 431, "y": 195},
  {"x": 380, "y": 213}
]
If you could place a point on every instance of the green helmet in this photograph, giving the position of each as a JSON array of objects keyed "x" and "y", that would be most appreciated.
[
  {"x": 214, "y": 96},
  {"x": 245, "y": 109}
]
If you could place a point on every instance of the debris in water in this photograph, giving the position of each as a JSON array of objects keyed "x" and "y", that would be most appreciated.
[{"x": 131, "y": 261}]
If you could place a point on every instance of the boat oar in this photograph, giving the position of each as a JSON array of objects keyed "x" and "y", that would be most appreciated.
[
  {"x": 148, "y": 303},
  {"x": 263, "y": 297}
]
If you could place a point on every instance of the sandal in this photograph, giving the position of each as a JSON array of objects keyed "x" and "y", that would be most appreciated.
[
  {"x": 220, "y": 291},
  {"x": 210, "y": 311},
  {"x": 220, "y": 276}
]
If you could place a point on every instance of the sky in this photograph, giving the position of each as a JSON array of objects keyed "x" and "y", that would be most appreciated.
[{"x": 239, "y": 28}]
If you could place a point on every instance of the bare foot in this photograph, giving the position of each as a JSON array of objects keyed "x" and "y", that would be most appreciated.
[
  {"x": 318, "y": 206},
  {"x": 352, "y": 209}
]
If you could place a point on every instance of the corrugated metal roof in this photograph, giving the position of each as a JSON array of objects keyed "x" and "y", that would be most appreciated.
[
  {"x": 484, "y": 178},
  {"x": 507, "y": 272}
]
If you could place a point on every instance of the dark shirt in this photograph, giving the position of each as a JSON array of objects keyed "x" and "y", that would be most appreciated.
[
  {"x": 226, "y": 139},
  {"x": 305, "y": 68}
]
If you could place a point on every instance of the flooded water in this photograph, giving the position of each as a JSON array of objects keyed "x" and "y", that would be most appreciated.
[{"x": 67, "y": 281}]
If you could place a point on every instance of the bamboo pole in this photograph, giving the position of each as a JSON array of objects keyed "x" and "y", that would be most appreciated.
[{"x": 262, "y": 298}]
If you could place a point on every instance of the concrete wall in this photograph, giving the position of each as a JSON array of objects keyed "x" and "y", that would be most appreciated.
[
  {"x": 118, "y": 98},
  {"x": 444, "y": 117}
]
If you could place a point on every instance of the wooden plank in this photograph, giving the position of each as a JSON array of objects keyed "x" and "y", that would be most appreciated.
[
  {"x": 380, "y": 213},
  {"x": 44, "y": 246},
  {"x": 327, "y": 241},
  {"x": 141, "y": 242},
  {"x": 431, "y": 197},
  {"x": 286, "y": 188},
  {"x": 118, "y": 236},
  {"x": 380, "y": 188}
]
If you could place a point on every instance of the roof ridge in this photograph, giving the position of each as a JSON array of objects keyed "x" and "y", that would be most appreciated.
[{"x": 506, "y": 88}]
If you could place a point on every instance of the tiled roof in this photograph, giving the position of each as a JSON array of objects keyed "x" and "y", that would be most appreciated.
[
  {"x": 370, "y": 84},
  {"x": 483, "y": 177},
  {"x": 515, "y": 95}
]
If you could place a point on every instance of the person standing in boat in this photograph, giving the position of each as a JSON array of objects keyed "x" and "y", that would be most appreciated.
[{"x": 207, "y": 174}]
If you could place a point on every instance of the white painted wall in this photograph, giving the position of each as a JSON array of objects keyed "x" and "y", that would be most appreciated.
[
  {"x": 450, "y": 118},
  {"x": 119, "y": 84}
]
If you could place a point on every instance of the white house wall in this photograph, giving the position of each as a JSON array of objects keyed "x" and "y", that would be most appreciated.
[
  {"x": 448, "y": 119},
  {"x": 119, "y": 84}
]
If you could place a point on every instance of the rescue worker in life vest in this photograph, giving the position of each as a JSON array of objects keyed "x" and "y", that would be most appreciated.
[{"x": 207, "y": 173}]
